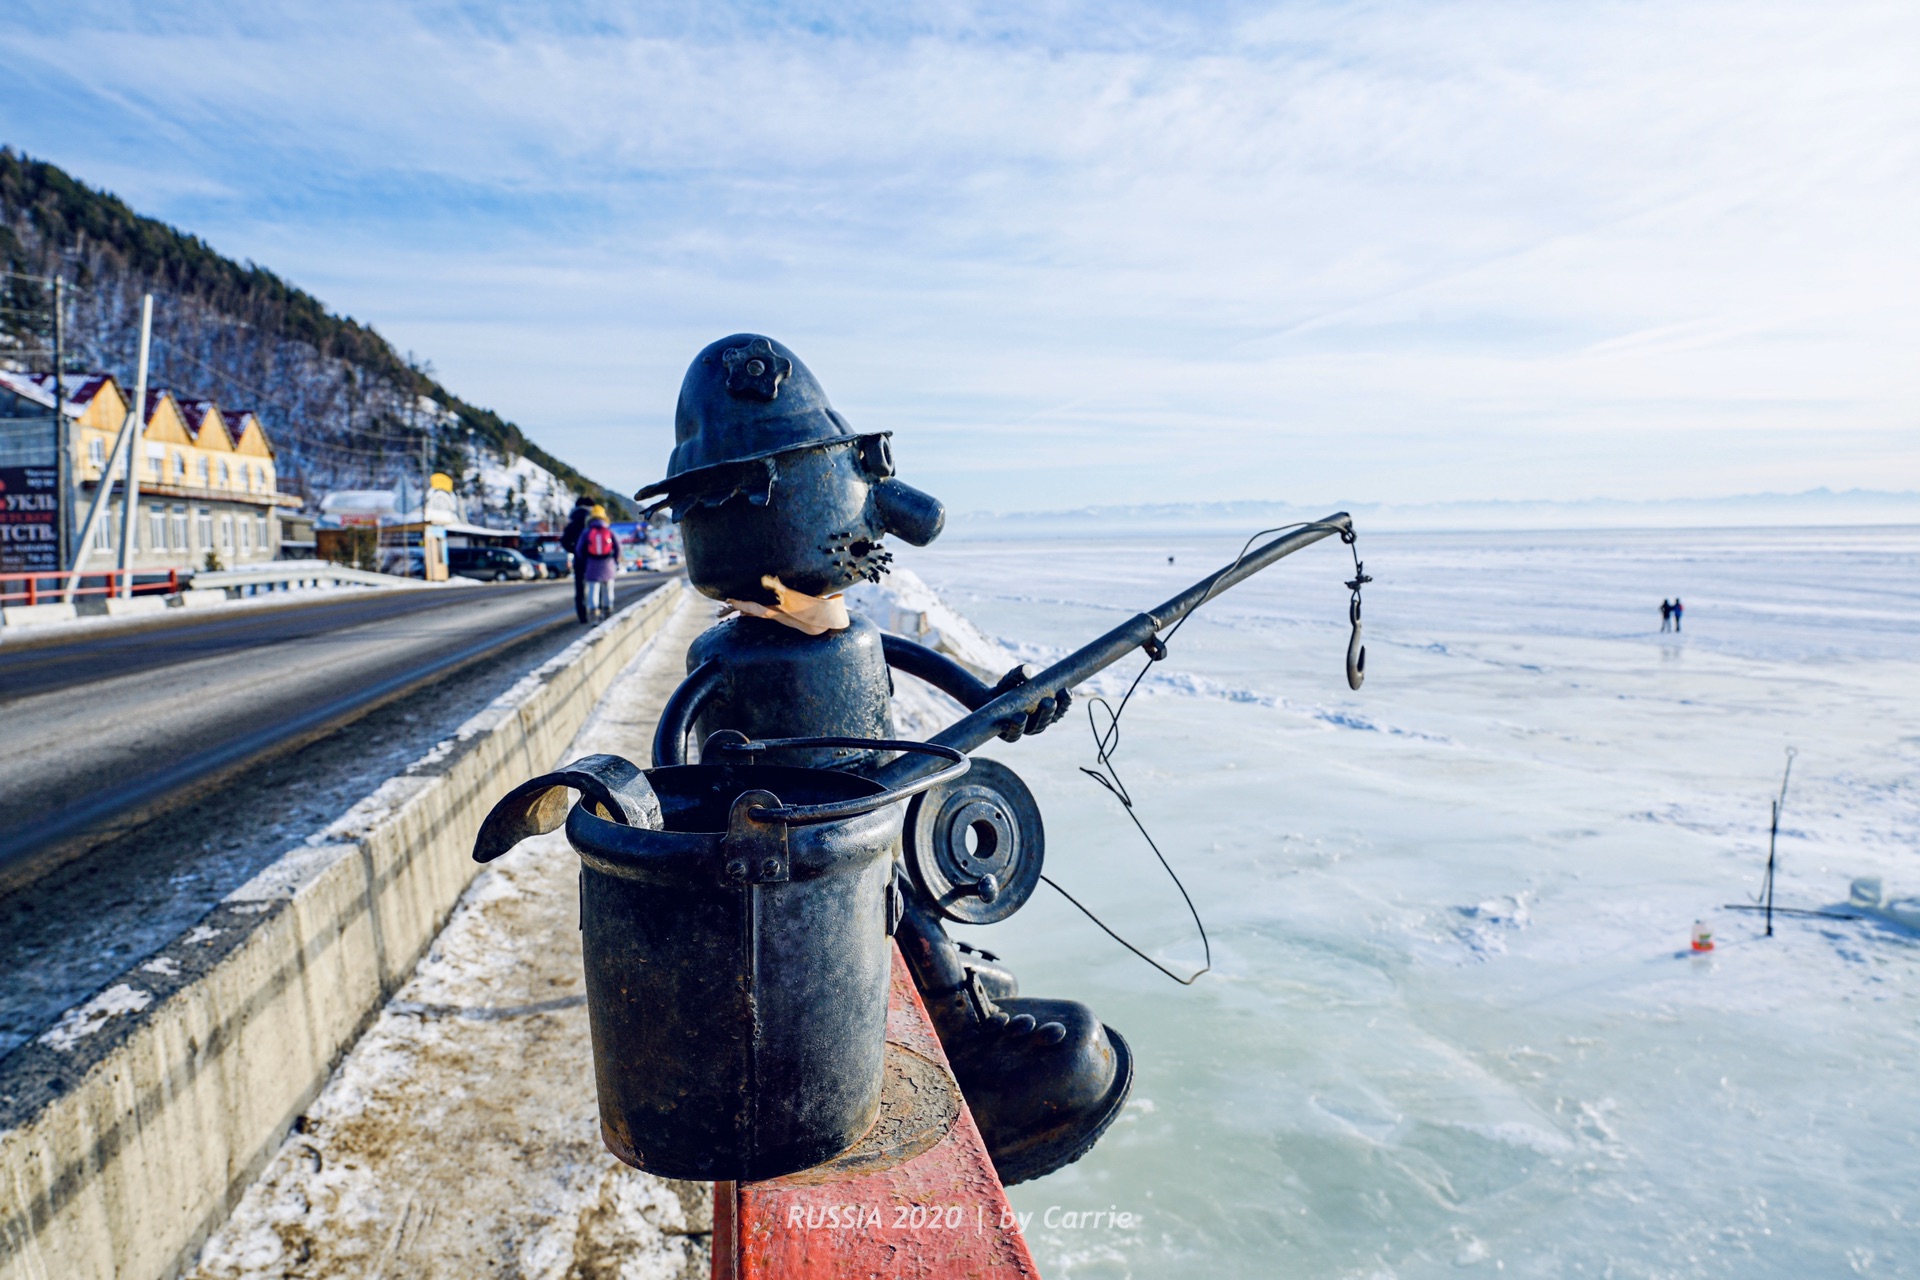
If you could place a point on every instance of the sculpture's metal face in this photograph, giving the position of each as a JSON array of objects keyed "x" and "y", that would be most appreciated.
[{"x": 767, "y": 480}]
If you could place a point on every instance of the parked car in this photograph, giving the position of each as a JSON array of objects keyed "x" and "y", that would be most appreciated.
[
  {"x": 489, "y": 564},
  {"x": 548, "y": 554}
]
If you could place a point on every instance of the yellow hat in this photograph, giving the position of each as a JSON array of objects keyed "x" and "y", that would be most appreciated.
[{"x": 599, "y": 512}]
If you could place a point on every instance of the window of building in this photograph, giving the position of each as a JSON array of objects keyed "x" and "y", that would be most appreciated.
[
  {"x": 205, "y": 530},
  {"x": 246, "y": 534},
  {"x": 226, "y": 474},
  {"x": 226, "y": 533},
  {"x": 157, "y": 529},
  {"x": 97, "y": 450},
  {"x": 260, "y": 534},
  {"x": 103, "y": 534},
  {"x": 179, "y": 465},
  {"x": 177, "y": 540},
  {"x": 154, "y": 463},
  {"x": 206, "y": 473}
]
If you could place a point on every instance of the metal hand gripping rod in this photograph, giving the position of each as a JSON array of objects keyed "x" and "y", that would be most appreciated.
[{"x": 1085, "y": 663}]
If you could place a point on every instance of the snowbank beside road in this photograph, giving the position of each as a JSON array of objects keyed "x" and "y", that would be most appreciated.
[{"x": 460, "y": 1136}]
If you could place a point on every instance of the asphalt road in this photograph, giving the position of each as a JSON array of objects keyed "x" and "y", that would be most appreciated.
[{"x": 105, "y": 731}]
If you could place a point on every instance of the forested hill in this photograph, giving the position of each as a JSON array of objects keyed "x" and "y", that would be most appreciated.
[{"x": 343, "y": 408}]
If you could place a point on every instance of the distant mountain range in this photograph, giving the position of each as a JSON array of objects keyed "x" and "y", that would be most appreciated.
[
  {"x": 342, "y": 407},
  {"x": 1811, "y": 507}
]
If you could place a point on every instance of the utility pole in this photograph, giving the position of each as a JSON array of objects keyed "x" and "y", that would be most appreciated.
[
  {"x": 62, "y": 437},
  {"x": 128, "y": 527},
  {"x": 83, "y": 544},
  {"x": 426, "y": 479}
]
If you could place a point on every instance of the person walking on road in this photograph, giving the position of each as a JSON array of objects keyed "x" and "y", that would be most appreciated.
[
  {"x": 1666, "y": 615},
  {"x": 1678, "y": 609},
  {"x": 570, "y": 538},
  {"x": 599, "y": 550}
]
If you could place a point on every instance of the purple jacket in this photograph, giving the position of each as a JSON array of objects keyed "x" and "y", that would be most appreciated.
[{"x": 599, "y": 568}]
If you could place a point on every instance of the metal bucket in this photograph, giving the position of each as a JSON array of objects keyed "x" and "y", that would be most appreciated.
[{"x": 737, "y": 960}]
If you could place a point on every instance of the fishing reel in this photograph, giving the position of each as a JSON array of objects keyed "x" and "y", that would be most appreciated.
[{"x": 975, "y": 846}]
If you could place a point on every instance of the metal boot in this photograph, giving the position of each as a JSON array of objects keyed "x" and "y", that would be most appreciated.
[{"x": 1044, "y": 1078}]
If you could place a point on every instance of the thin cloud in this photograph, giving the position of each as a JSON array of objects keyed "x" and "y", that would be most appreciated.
[{"x": 1301, "y": 249}]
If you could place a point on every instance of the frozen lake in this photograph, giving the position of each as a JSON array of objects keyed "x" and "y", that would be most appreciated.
[{"x": 1454, "y": 1020}]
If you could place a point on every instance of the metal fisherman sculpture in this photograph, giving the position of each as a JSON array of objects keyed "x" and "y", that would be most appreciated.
[
  {"x": 736, "y": 910},
  {"x": 782, "y": 505}
]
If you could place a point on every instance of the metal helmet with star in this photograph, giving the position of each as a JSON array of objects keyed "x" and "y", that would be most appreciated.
[{"x": 768, "y": 479}]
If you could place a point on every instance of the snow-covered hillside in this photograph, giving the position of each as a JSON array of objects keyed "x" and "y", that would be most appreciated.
[{"x": 521, "y": 490}]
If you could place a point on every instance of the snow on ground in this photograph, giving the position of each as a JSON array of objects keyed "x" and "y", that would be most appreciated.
[
  {"x": 1454, "y": 1020},
  {"x": 903, "y": 604},
  {"x": 460, "y": 1136},
  {"x": 1453, "y": 1023}
]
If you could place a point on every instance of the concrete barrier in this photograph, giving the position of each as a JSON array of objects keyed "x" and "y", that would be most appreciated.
[
  {"x": 200, "y": 598},
  {"x": 135, "y": 606},
  {"x": 128, "y": 1131},
  {"x": 28, "y": 615}
]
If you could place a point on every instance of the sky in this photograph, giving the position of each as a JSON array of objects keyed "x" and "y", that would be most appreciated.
[{"x": 1077, "y": 254}]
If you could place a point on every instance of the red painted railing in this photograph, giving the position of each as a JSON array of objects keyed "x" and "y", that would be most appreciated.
[
  {"x": 48, "y": 588},
  {"x": 921, "y": 1203}
]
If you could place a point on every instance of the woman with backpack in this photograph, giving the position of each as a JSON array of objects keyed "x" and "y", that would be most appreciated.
[
  {"x": 598, "y": 550},
  {"x": 570, "y": 538}
]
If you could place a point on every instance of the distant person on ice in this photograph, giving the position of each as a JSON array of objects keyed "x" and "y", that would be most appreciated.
[
  {"x": 1666, "y": 615},
  {"x": 1678, "y": 609},
  {"x": 599, "y": 550},
  {"x": 570, "y": 538}
]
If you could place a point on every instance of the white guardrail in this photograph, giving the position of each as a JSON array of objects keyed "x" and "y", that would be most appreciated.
[{"x": 291, "y": 575}]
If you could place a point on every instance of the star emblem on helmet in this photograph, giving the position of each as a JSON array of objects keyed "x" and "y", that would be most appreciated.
[{"x": 756, "y": 369}]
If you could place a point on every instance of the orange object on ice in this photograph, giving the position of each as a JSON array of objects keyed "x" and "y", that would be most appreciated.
[{"x": 1702, "y": 936}]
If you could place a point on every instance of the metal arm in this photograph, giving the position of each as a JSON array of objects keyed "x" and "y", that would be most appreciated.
[
  {"x": 937, "y": 669},
  {"x": 1083, "y": 664},
  {"x": 683, "y": 707}
]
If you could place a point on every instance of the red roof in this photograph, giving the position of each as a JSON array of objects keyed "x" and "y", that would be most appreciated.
[
  {"x": 79, "y": 388},
  {"x": 195, "y": 412}
]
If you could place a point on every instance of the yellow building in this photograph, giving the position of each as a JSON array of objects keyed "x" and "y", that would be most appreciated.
[{"x": 207, "y": 477}]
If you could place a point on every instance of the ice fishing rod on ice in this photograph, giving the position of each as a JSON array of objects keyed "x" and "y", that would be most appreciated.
[{"x": 1142, "y": 631}]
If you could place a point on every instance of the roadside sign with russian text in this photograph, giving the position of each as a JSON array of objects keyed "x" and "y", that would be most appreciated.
[{"x": 29, "y": 519}]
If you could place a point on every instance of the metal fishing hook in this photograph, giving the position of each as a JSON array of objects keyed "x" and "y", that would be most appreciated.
[{"x": 1356, "y": 651}]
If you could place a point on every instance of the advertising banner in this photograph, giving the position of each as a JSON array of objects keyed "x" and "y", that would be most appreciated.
[
  {"x": 631, "y": 541},
  {"x": 29, "y": 519}
]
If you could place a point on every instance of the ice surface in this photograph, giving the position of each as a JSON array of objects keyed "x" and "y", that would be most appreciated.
[{"x": 1455, "y": 1022}]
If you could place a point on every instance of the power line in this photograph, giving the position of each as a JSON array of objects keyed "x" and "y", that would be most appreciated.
[{"x": 297, "y": 441}]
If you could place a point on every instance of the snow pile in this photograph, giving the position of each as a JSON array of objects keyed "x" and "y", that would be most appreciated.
[
  {"x": 905, "y": 605},
  {"x": 78, "y": 1024}
]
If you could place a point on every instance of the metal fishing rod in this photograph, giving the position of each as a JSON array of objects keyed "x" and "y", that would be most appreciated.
[{"x": 1140, "y": 631}]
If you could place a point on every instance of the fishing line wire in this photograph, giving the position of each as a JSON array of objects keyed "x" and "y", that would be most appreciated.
[{"x": 1107, "y": 743}]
